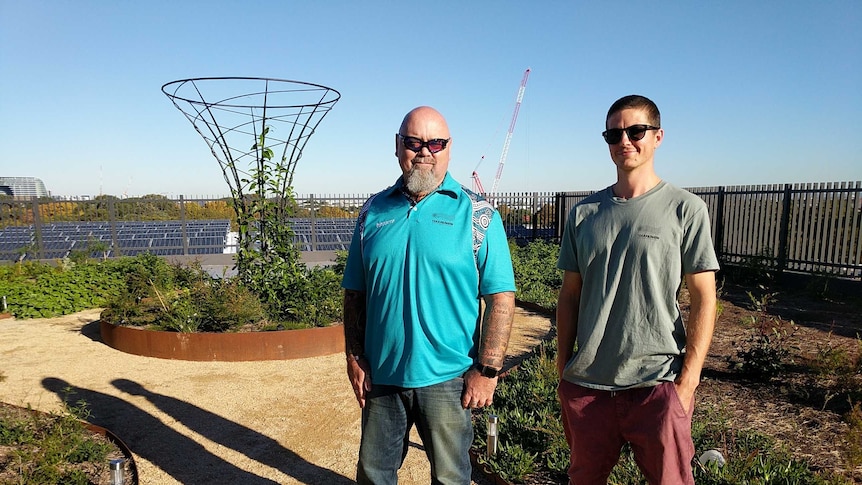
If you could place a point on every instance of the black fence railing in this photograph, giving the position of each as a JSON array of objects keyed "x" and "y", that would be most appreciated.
[{"x": 806, "y": 228}]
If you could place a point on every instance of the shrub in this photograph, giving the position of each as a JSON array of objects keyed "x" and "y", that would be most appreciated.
[
  {"x": 187, "y": 299},
  {"x": 854, "y": 436},
  {"x": 536, "y": 274},
  {"x": 767, "y": 349},
  {"x": 39, "y": 290}
]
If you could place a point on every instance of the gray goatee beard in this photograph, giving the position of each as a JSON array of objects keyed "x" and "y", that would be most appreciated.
[{"x": 420, "y": 182}]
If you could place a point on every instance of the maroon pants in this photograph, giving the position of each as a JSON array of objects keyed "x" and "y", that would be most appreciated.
[{"x": 652, "y": 419}]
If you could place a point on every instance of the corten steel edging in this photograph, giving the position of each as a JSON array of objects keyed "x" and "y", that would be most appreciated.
[{"x": 225, "y": 347}]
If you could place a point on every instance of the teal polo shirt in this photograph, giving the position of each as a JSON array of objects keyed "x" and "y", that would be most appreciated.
[{"x": 423, "y": 280}]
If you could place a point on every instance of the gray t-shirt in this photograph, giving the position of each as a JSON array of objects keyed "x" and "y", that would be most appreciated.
[{"x": 631, "y": 255}]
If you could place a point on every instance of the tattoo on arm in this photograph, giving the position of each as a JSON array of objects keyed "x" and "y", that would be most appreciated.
[
  {"x": 354, "y": 322},
  {"x": 496, "y": 328}
]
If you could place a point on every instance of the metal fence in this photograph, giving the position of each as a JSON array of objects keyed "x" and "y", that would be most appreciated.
[{"x": 807, "y": 228}]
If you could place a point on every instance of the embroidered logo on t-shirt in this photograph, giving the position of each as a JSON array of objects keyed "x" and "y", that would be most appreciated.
[{"x": 649, "y": 232}]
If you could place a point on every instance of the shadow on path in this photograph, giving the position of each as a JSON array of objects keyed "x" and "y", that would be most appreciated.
[
  {"x": 177, "y": 455},
  {"x": 229, "y": 434}
]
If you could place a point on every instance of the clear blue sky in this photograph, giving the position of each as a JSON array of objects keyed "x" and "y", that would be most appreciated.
[{"x": 750, "y": 92}]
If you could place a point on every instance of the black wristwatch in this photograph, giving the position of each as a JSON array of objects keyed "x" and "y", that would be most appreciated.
[{"x": 486, "y": 371}]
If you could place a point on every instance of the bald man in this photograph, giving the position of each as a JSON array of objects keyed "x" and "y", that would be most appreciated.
[{"x": 423, "y": 254}]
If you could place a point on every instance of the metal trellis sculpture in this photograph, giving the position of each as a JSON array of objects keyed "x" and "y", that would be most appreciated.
[{"x": 256, "y": 128}]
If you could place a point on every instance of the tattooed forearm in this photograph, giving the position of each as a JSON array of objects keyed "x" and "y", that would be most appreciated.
[
  {"x": 496, "y": 328},
  {"x": 354, "y": 323}
]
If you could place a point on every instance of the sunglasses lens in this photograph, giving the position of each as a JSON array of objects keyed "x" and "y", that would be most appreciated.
[
  {"x": 613, "y": 136},
  {"x": 412, "y": 144},
  {"x": 435, "y": 146},
  {"x": 636, "y": 132}
]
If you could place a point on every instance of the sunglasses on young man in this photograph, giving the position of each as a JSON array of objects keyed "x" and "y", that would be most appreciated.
[
  {"x": 634, "y": 132},
  {"x": 415, "y": 144}
]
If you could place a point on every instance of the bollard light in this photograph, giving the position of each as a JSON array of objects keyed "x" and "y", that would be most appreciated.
[
  {"x": 117, "y": 472},
  {"x": 492, "y": 435}
]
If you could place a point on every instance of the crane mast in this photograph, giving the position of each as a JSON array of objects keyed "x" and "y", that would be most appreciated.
[{"x": 509, "y": 133}]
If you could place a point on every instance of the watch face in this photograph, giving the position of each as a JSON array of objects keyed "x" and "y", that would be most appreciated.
[{"x": 488, "y": 371}]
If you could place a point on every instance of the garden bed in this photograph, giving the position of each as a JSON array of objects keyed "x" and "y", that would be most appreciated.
[{"x": 45, "y": 428}]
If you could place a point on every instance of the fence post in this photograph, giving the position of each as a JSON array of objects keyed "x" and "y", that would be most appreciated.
[
  {"x": 313, "y": 208},
  {"x": 719, "y": 224},
  {"x": 37, "y": 228},
  {"x": 558, "y": 216},
  {"x": 112, "y": 220},
  {"x": 183, "y": 224},
  {"x": 783, "y": 230},
  {"x": 536, "y": 216}
]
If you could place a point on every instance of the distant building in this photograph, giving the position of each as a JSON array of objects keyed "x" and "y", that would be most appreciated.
[{"x": 23, "y": 187}]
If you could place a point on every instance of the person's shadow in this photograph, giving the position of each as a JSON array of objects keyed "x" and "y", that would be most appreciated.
[
  {"x": 176, "y": 454},
  {"x": 242, "y": 439}
]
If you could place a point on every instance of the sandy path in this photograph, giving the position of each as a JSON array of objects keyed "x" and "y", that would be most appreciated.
[{"x": 284, "y": 422}]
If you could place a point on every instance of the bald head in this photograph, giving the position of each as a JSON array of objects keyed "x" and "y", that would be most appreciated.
[{"x": 424, "y": 115}]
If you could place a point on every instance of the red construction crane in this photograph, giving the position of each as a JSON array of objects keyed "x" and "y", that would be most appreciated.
[{"x": 477, "y": 184}]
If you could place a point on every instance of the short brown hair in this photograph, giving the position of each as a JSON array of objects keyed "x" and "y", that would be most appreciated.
[{"x": 636, "y": 101}]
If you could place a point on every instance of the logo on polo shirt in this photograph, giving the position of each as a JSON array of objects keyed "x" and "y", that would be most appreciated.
[
  {"x": 385, "y": 223},
  {"x": 445, "y": 219}
]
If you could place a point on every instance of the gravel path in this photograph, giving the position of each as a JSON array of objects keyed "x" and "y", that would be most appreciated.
[{"x": 284, "y": 422}]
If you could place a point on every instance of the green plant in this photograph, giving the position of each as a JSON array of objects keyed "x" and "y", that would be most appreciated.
[
  {"x": 766, "y": 351},
  {"x": 49, "y": 449},
  {"x": 267, "y": 260},
  {"x": 512, "y": 462},
  {"x": 719, "y": 304},
  {"x": 536, "y": 274},
  {"x": 38, "y": 290},
  {"x": 854, "y": 436},
  {"x": 762, "y": 302}
]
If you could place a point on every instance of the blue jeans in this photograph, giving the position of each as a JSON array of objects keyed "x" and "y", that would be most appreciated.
[{"x": 443, "y": 425}]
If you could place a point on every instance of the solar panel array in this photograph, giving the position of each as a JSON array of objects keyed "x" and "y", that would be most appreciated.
[
  {"x": 161, "y": 238},
  {"x": 323, "y": 234},
  {"x": 165, "y": 238}
]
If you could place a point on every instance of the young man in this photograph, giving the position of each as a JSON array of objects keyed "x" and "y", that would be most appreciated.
[
  {"x": 625, "y": 252},
  {"x": 418, "y": 350}
]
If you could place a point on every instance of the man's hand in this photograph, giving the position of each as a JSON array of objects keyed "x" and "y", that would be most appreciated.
[
  {"x": 359, "y": 374},
  {"x": 478, "y": 390},
  {"x": 686, "y": 395}
]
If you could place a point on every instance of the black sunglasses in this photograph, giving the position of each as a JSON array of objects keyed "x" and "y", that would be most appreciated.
[
  {"x": 415, "y": 144},
  {"x": 634, "y": 132}
]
